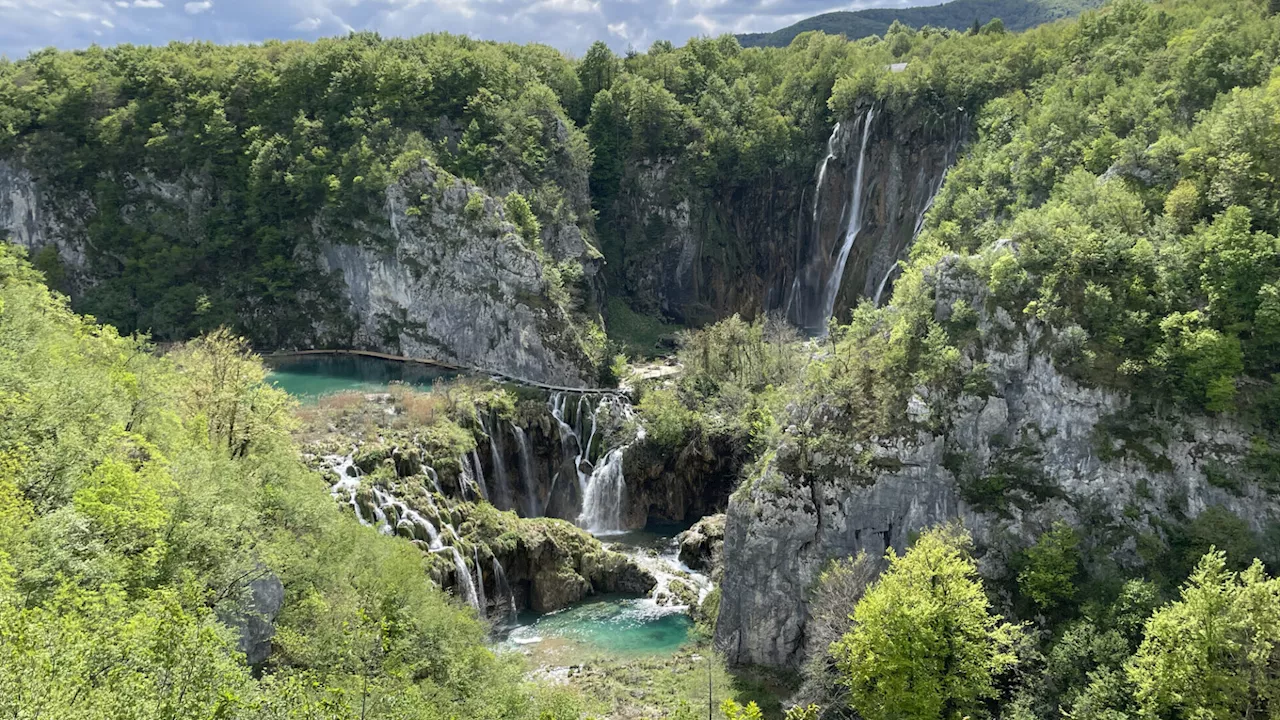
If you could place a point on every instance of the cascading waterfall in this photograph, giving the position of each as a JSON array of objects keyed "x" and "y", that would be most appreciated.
[
  {"x": 503, "y": 588},
  {"x": 462, "y": 577},
  {"x": 502, "y": 495},
  {"x": 915, "y": 232},
  {"x": 604, "y": 496},
  {"x": 525, "y": 459},
  {"x": 851, "y": 233},
  {"x": 348, "y": 484},
  {"x": 483, "y": 602},
  {"x": 817, "y": 213},
  {"x": 392, "y": 516},
  {"x": 479, "y": 475}
]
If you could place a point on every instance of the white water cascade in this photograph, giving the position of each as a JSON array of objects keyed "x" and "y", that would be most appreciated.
[
  {"x": 483, "y": 602},
  {"x": 851, "y": 234},
  {"x": 603, "y": 487},
  {"x": 505, "y": 599},
  {"x": 502, "y": 496},
  {"x": 392, "y": 516},
  {"x": 525, "y": 459}
]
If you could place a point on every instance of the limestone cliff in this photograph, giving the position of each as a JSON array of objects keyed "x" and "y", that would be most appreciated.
[
  {"x": 775, "y": 245},
  {"x": 1033, "y": 447},
  {"x": 436, "y": 271}
]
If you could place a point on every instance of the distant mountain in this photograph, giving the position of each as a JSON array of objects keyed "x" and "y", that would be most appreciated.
[{"x": 959, "y": 14}]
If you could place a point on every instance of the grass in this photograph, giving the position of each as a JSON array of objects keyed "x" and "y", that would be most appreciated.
[
  {"x": 640, "y": 335},
  {"x": 676, "y": 686}
]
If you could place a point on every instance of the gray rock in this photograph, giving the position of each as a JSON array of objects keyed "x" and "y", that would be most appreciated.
[
  {"x": 784, "y": 527},
  {"x": 254, "y": 617},
  {"x": 702, "y": 546}
]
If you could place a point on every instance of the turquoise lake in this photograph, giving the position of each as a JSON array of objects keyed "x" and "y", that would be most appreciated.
[{"x": 308, "y": 377}]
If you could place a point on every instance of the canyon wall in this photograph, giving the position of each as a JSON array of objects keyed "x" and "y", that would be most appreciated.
[
  {"x": 1034, "y": 447},
  {"x": 437, "y": 271}
]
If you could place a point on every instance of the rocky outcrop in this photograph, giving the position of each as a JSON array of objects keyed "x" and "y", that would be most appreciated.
[
  {"x": 448, "y": 278},
  {"x": 694, "y": 258},
  {"x": 1007, "y": 462},
  {"x": 253, "y": 617},
  {"x": 702, "y": 546},
  {"x": 29, "y": 219}
]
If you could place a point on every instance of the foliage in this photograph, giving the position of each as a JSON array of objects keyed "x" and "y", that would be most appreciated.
[
  {"x": 1053, "y": 564},
  {"x": 924, "y": 642},
  {"x": 1215, "y": 653},
  {"x": 201, "y": 176},
  {"x": 141, "y": 494}
]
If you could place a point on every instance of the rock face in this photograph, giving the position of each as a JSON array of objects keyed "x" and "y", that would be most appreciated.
[
  {"x": 673, "y": 252},
  {"x": 437, "y": 272},
  {"x": 449, "y": 279},
  {"x": 1007, "y": 463},
  {"x": 254, "y": 617},
  {"x": 888, "y": 170},
  {"x": 29, "y": 220},
  {"x": 702, "y": 546}
]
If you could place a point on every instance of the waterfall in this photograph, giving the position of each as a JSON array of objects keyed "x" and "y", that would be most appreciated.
[
  {"x": 822, "y": 172},
  {"x": 348, "y": 484},
  {"x": 525, "y": 459},
  {"x": 462, "y": 577},
  {"x": 479, "y": 475},
  {"x": 503, "y": 589},
  {"x": 501, "y": 478},
  {"x": 851, "y": 234},
  {"x": 604, "y": 496},
  {"x": 572, "y": 449},
  {"x": 482, "y": 602},
  {"x": 915, "y": 233}
]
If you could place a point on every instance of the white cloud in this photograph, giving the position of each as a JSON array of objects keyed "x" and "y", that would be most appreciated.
[
  {"x": 310, "y": 24},
  {"x": 153, "y": 4},
  {"x": 195, "y": 8}
]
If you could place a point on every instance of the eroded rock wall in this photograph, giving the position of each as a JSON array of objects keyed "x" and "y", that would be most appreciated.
[{"x": 1036, "y": 430}]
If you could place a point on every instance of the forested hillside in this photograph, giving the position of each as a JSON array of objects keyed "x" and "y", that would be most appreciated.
[
  {"x": 973, "y": 337},
  {"x": 1014, "y": 15},
  {"x": 153, "y": 509}
]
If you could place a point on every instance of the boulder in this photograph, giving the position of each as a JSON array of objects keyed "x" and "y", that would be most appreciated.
[{"x": 702, "y": 546}]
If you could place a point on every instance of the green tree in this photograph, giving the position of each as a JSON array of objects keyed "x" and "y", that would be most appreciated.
[
  {"x": 1213, "y": 654},
  {"x": 925, "y": 643},
  {"x": 1048, "y": 578}
]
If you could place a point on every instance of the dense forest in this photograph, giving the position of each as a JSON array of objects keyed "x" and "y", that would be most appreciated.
[{"x": 1109, "y": 228}]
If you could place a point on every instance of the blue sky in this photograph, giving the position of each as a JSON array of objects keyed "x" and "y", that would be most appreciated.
[{"x": 570, "y": 25}]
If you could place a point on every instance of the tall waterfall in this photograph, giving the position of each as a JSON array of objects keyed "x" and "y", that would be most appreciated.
[
  {"x": 479, "y": 475},
  {"x": 502, "y": 495},
  {"x": 483, "y": 601},
  {"x": 820, "y": 267},
  {"x": 525, "y": 460},
  {"x": 505, "y": 597},
  {"x": 851, "y": 233}
]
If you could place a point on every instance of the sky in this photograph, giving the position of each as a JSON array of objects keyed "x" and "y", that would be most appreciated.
[{"x": 570, "y": 25}]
